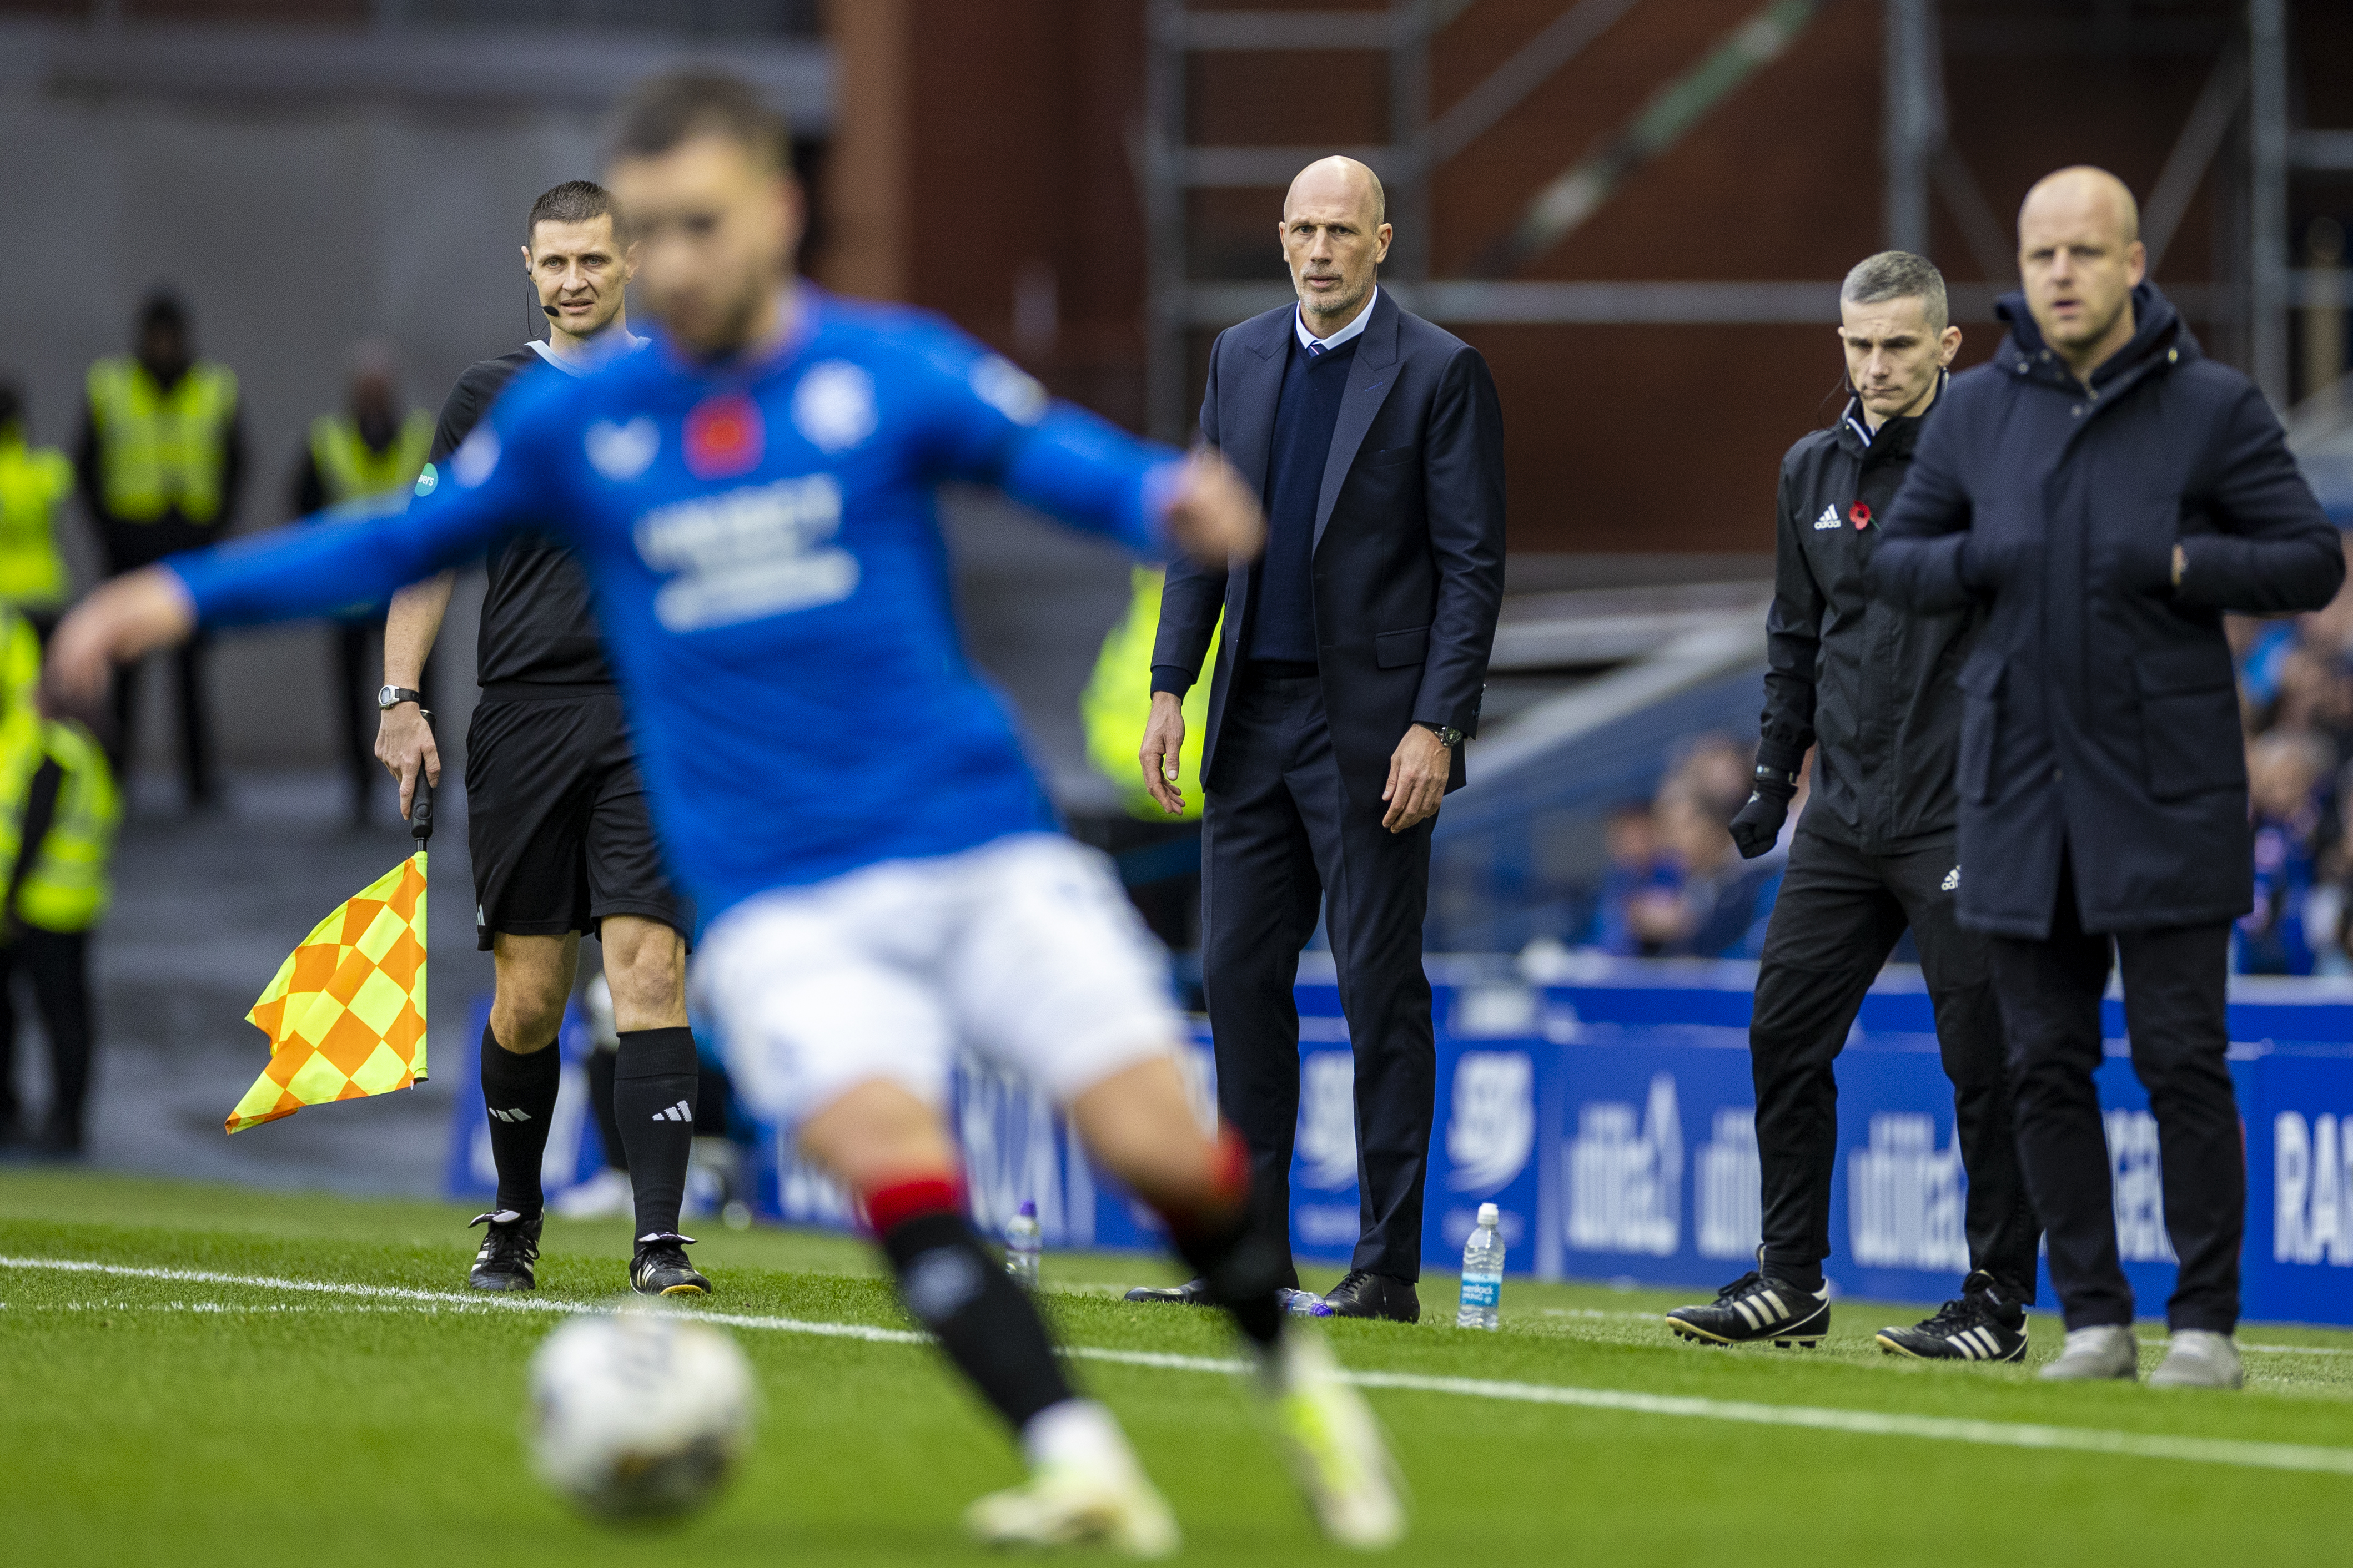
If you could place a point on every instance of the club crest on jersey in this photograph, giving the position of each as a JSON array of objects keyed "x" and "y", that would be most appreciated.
[
  {"x": 475, "y": 458},
  {"x": 1859, "y": 515},
  {"x": 834, "y": 406},
  {"x": 1010, "y": 390},
  {"x": 725, "y": 437},
  {"x": 622, "y": 452},
  {"x": 1830, "y": 518}
]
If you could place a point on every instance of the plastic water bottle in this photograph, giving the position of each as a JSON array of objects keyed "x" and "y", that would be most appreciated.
[
  {"x": 1482, "y": 1274},
  {"x": 1021, "y": 1247}
]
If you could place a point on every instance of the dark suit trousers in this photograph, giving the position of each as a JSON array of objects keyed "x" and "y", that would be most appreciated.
[
  {"x": 2175, "y": 983},
  {"x": 1280, "y": 837},
  {"x": 1838, "y": 915}
]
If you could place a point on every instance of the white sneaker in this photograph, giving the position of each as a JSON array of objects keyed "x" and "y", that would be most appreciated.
[
  {"x": 2200, "y": 1358},
  {"x": 1337, "y": 1452},
  {"x": 2107, "y": 1351},
  {"x": 1085, "y": 1487},
  {"x": 602, "y": 1195}
]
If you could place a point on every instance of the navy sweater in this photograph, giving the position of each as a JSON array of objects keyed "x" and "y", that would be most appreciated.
[{"x": 1283, "y": 624}]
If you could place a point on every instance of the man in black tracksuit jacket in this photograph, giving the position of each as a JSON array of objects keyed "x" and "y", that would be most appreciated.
[{"x": 1872, "y": 688}]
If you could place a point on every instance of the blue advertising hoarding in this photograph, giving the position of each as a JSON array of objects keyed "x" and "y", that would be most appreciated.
[{"x": 1610, "y": 1118}]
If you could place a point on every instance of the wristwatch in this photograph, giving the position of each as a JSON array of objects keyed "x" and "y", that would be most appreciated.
[
  {"x": 1448, "y": 737},
  {"x": 394, "y": 696}
]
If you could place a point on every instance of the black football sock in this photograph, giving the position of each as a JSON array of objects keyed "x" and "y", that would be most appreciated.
[
  {"x": 653, "y": 1101},
  {"x": 519, "y": 1091},
  {"x": 600, "y": 1099},
  {"x": 1224, "y": 1246},
  {"x": 987, "y": 1324}
]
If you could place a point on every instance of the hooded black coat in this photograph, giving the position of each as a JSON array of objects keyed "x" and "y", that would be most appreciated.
[{"x": 2100, "y": 707}]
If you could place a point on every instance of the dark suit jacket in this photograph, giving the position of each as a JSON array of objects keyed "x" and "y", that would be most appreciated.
[
  {"x": 1409, "y": 557},
  {"x": 2099, "y": 706}
]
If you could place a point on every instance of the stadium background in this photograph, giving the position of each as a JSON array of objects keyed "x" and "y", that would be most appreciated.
[{"x": 1088, "y": 186}]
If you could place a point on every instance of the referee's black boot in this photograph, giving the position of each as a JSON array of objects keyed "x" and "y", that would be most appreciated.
[
  {"x": 1983, "y": 1324},
  {"x": 660, "y": 1269},
  {"x": 509, "y": 1249},
  {"x": 1755, "y": 1309}
]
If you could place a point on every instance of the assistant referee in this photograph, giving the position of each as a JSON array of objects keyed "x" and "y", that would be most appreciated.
[
  {"x": 1871, "y": 688},
  {"x": 560, "y": 838}
]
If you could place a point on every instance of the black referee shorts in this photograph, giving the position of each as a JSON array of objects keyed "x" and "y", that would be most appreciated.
[{"x": 557, "y": 820}]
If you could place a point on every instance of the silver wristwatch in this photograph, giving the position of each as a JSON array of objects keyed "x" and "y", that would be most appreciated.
[{"x": 388, "y": 697}]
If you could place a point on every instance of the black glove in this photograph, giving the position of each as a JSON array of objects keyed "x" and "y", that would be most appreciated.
[{"x": 1758, "y": 827}]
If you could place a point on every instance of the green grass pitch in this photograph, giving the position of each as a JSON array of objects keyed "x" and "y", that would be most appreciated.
[{"x": 165, "y": 1421}]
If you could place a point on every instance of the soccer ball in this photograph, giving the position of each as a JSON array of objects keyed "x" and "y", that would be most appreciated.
[{"x": 639, "y": 1414}]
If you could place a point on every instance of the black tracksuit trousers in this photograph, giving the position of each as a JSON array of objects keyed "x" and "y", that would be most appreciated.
[
  {"x": 2176, "y": 984},
  {"x": 57, "y": 965},
  {"x": 1838, "y": 914}
]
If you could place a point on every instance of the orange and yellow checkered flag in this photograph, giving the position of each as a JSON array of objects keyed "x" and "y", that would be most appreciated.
[{"x": 345, "y": 1017}]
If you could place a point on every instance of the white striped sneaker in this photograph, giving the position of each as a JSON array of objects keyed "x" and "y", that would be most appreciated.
[
  {"x": 1982, "y": 1324},
  {"x": 1753, "y": 1309}
]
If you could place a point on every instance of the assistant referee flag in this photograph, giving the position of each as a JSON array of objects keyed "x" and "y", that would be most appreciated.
[{"x": 345, "y": 1016}]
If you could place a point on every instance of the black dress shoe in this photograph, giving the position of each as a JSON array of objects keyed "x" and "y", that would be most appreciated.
[
  {"x": 1195, "y": 1292},
  {"x": 1363, "y": 1295}
]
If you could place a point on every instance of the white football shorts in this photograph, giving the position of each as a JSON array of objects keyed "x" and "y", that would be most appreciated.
[{"x": 1024, "y": 948}]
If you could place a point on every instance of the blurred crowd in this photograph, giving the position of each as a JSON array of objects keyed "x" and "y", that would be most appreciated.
[
  {"x": 2296, "y": 691},
  {"x": 1676, "y": 888}
]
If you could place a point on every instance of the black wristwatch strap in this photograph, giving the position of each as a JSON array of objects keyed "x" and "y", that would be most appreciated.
[
  {"x": 1775, "y": 778},
  {"x": 389, "y": 697}
]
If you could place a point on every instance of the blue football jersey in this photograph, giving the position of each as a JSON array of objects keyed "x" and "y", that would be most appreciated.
[{"x": 762, "y": 544}]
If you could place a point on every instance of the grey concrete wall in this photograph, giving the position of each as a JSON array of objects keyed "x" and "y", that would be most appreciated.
[{"x": 294, "y": 233}]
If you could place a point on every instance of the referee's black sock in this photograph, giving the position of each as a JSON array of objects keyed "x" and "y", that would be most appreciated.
[
  {"x": 520, "y": 1093},
  {"x": 987, "y": 1324},
  {"x": 653, "y": 1101}
]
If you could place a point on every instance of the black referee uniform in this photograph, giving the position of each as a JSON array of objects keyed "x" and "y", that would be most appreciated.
[
  {"x": 1870, "y": 688},
  {"x": 557, "y": 819},
  {"x": 561, "y": 836}
]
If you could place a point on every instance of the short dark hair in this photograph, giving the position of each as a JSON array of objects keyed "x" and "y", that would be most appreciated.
[
  {"x": 163, "y": 308},
  {"x": 666, "y": 112},
  {"x": 1900, "y": 275},
  {"x": 574, "y": 201}
]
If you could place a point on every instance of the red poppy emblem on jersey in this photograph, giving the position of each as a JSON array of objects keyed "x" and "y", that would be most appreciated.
[
  {"x": 1859, "y": 515},
  {"x": 725, "y": 437}
]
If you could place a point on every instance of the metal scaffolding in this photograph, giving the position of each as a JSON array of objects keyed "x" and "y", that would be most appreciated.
[{"x": 2238, "y": 131}]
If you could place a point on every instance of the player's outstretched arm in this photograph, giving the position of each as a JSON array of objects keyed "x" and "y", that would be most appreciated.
[
  {"x": 1211, "y": 514},
  {"x": 123, "y": 621}
]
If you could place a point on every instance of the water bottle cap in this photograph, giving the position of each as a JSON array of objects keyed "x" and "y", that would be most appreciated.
[
  {"x": 1489, "y": 1215},
  {"x": 1029, "y": 1209}
]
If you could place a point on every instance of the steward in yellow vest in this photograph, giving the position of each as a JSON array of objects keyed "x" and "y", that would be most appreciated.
[
  {"x": 366, "y": 457},
  {"x": 33, "y": 482},
  {"x": 58, "y": 814},
  {"x": 1118, "y": 701},
  {"x": 162, "y": 461}
]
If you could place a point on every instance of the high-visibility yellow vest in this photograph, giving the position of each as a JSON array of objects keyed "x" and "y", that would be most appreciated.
[
  {"x": 157, "y": 450},
  {"x": 351, "y": 470},
  {"x": 33, "y": 482},
  {"x": 68, "y": 887},
  {"x": 1117, "y": 703}
]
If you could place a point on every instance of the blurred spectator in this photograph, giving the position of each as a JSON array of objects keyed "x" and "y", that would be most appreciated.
[
  {"x": 2296, "y": 681},
  {"x": 1675, "y": 886},
  {"x": 1638, "y": 874},
  {"x": 2285, "y": 771}
]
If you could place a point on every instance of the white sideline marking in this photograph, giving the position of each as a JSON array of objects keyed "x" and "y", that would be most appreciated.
[{"x": 2239, "y": 1453}]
